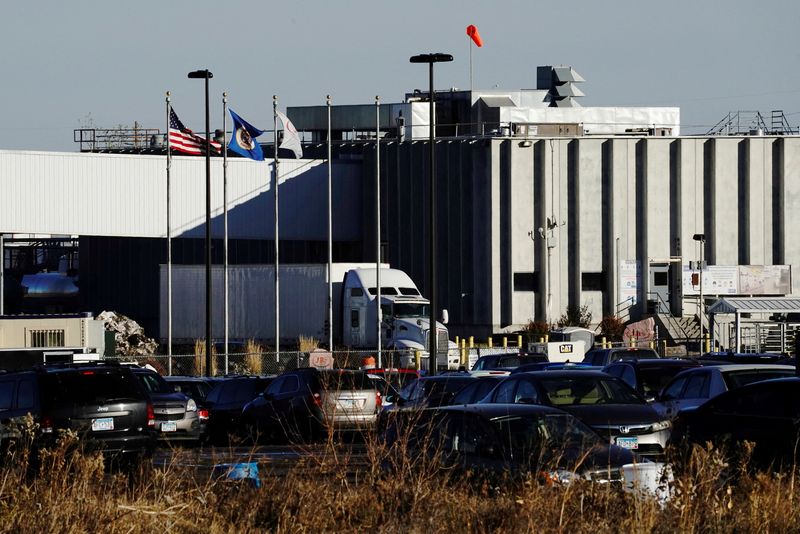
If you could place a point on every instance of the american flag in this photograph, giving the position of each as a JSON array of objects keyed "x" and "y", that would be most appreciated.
[{"x": 184, "y": 140}]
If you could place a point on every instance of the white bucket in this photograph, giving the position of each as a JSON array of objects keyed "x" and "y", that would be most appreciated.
[{"x": 653, "y": 478}]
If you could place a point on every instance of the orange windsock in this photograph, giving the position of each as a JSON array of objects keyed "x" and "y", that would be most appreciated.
[{"x": 472, "y": 31}]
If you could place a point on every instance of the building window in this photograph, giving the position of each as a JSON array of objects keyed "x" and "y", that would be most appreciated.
[{"x": 47, "y": 338}]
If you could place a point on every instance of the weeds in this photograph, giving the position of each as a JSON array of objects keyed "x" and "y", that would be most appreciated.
[{"x": 341, "y": 489}]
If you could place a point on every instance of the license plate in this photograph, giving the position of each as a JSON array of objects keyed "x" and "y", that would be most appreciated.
[
  {"x": 628, "y": 443},
  {"x": 104, "y": 423},
  {"x": 350, "y": 404},
  {"x": 169, "y": 426}
]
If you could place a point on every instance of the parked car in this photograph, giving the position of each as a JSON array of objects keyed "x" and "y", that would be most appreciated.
[
  {"x": 309, "y": 403},
  {"x": 105, "y": 404},
  {"x": 431, "y": 391},
  {"x": 551, "y": 366},
  {"x": 226, "y": 401},
  {"x": 693, "y": 387},
  {"x": 388, "y": 393},
  {"x": 506, "y": 361},
  {"x": 603, "y": 357},
  {"x": 605, "y": 403},
  {"x": 194, "y": 387},
  {"x": 177, "y": 415},
  {"x": 398, "y": 378},
  {"x": 649, "y": 376},
  {"x": 475, "y": 390},
  {"x": 719, "y": 358},
  {"x": 505, "y": 439},
  {"x": 765, "y": 413}
]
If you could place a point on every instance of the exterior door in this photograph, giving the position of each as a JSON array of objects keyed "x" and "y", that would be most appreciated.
[{"x": 659, "y": 288}]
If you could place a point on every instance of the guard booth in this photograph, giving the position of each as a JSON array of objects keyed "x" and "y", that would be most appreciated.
[{"x": 755, "y": 324}]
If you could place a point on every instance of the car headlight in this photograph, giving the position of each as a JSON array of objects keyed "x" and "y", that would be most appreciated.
[
  {"x": 558, "y": 477},
  {"x": 191, "y": 406},
  {"x": 661, "y": 425}
]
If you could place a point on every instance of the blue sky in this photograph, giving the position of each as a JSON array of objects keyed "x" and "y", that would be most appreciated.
[{"x": 69, "y": 63}]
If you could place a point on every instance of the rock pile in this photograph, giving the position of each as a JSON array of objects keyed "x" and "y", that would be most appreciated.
[{"x": 128, "y": 335}]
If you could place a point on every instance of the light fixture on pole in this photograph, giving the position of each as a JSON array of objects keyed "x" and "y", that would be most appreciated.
[
  {"x": 702, "y": 239},
  {"x": 207, "y": 75},
  {"x": 430, "y": 59}
]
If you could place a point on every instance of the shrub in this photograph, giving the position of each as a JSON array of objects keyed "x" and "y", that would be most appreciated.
[
  {"x": 576, "y": 316},
  {"x": 537, "y": 329},
  {"x": 612, "y": 327}
]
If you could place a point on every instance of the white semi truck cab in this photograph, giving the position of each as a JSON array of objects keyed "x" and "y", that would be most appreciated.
[{"x": 405, "y": 317}]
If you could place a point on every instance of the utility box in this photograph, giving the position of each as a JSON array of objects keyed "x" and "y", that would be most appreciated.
[{"x": 27, "y": 340}]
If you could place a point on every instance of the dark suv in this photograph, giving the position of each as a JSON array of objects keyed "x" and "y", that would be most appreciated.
[{"x": 105, "y": 404}]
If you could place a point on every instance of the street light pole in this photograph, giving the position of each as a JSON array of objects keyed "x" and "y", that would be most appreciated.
[
  {"x": 702, "y": 239},
  {"x": 430, "y": 59},
  {"x": 207, "y": 75}
]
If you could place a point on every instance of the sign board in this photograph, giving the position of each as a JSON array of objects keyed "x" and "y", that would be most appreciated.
[
  {"x": 738, "y": 280},
  {"x": 629, "y": 281},
  {"x": 320, "y": 359}
]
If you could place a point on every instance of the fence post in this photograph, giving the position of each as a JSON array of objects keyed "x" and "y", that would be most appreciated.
[
  {"x": 457, "y": 343},
  {"x": 547, "y": 338},
  {"x": 603, "y": 341},
  {"x": 652, "y": 344},
  {"x": 633, "y": 342},
  {"x": 471, "y": 341},
  {"x": 541, "y": 340},
  {"x": 464, "y": 359},
  {"x": 417, "y": 359},
  {"x": 489, "y": 341},
  {"x": 505, "y": 342},
  {"x": 664, "y": 347},
  {"x": 707, "y": 342},
  {"x": 519, "y": 340}
]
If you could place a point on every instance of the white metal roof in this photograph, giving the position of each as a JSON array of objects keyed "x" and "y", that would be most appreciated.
[{"x": 756, "y": 305}]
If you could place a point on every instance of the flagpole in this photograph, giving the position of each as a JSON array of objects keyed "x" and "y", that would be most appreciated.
[
  {"x": 378, "y": 313},
  {"x": 330, "y": 235},
  {"x": 277, "y": 261},
  {"x": 169, "y": 248},
  {"x": 225, "y": 217},
  {"x": 470, "y": 65}
]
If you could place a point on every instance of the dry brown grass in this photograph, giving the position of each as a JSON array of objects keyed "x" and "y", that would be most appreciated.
[
  {"x": 307, "y": 343},
  {"x": 200, "y": 358},
  {"x": 73, "y": 493},
  {"x": 253, "y": 359}
]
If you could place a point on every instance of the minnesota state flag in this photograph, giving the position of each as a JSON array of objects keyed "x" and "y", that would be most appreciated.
[{"x": 243, "y": 139}]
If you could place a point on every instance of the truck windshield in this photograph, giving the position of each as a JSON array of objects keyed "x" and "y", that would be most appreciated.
[{"x": 410, "y": 309}]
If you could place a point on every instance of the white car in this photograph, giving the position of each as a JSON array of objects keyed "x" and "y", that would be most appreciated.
[{"x": 693, "y": 387}]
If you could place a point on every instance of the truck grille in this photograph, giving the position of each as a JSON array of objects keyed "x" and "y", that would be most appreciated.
[{"x": 442, "y": 341}]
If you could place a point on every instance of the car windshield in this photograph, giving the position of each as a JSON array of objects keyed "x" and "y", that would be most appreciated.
[
  {"x": 574, "y": 390},
  {"x": 528, "y": 437},
  {"x": 654, "y": 379},
  {"x": 90, "y": 387},
  {"x": 737, "y": 379},
  {"x": 639, "y": 354},
  {"x": 410, "y": 309},
  {"x": 155, "y": 383},
  {"x": 195, "y": 390}
]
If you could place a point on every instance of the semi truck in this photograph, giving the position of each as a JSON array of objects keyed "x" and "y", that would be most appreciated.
[{"x": 405, "y": 323}]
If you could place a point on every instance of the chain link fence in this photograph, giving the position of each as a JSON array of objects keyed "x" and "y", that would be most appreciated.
[{"x": 270, "y": 363}]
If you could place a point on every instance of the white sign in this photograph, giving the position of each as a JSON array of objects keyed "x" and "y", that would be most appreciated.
[
  {"x": 629, "y": 281},
  {"x": 321, "y": 359},
  {"x": 739, "y": 280}
]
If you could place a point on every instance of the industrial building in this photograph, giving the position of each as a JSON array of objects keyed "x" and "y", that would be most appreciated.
[{"x": 542, "y": 203}]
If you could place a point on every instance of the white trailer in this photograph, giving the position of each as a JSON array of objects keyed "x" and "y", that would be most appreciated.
[{"x": 303, "y": 307}]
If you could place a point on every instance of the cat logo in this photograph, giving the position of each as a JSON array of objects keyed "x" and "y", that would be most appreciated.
[{"x": 566, "y": 348}]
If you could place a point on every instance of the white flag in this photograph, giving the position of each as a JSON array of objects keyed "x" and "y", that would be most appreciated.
[{"x": 291, "y": 138}]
